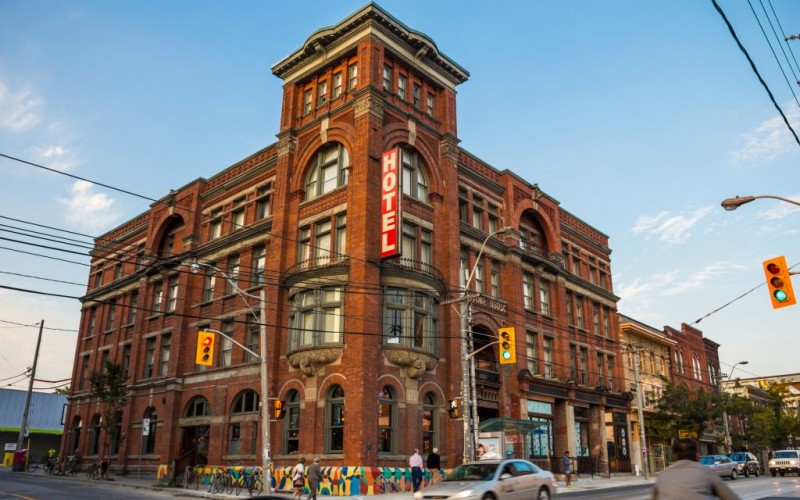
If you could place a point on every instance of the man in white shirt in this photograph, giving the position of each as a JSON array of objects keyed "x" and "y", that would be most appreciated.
[{"x": 415, "y": 462}]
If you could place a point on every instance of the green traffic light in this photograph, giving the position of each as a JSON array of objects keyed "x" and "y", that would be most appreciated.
[
  {"x": 506, "y": 355},
  {"x": 780, "y": 295}
]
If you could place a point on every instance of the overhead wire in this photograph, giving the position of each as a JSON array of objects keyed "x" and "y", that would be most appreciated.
[
  {"x": 785, "y": 38},
  {"x": 791, "y": 87}
]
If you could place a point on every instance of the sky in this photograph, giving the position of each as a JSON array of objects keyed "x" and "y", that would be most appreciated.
[{"x": 638, "y": 117}]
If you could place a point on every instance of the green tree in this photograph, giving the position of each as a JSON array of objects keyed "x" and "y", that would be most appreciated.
[
  {"x": 692, "y": 410},
  {"x": 109, "y": 387},
  {"x": 62, "y": 390}
]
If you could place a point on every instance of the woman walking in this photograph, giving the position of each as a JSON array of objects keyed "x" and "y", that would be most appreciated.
[{"x": 297, "y": 478}]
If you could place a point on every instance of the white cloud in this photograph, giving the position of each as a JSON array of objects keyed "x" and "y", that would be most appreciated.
[
  {"x": 19, "y": 111},
  {"x": 55, "y": 157},
  {"x": 700, "y": 279},
  {"x": 780, "y": 209},
  {"x": 770, "y": 138},
  {"x": 88, "y": 209},
  {"x": 672, "y": 229}
]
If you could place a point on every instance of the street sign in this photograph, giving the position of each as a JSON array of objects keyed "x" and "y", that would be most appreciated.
[
  {"x": 145, "y": 427},
  {"x": 11, "y": 447}
]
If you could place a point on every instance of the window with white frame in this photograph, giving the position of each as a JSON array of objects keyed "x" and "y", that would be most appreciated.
[
  {"x": 322, "y": 93},
  {"x": 417, "y": 95},
  {"x": 479, "y": 279},
  {"x": 158, "y": 297},
  {"x": 337, "y": 85},
  {"x": 430, "y": 109},
  {"x": 215, "y": 230},
  {"x": 253, "y": 338},
  {"x": 401, "y": 87},
  {"x": 237, "y": 218},
  {"x": 226, "y": 353},
  {"x": 233, "y": 275},
  {"x": 163, "y": 367},
  {"x": 323, "y": 242},
  {"x": 494, "y": 279},
  {"x": 149, "y": 357},
  {"x": 579, "y": 312},
  {"x": 352, "y": 76},
  {"x": 259, "y": 261},
  {"x": 417, "y": 243},
  {"x": 544, "y": 297},
  {"x": 334, "y": 421},
  {"x": 209, "y": 282},
  {"x": 596, "y": 318},
  {"x": 527, "y": 290},
  {"x": 112, "y": 314},
  {"x": 415, "y": 179},
  {"x": 172, "y": 295},
  {"x": 307, "y": 101},
  {"x": 409, "y": 319},
  {"x": 532, "y": 351},
  {"x": 387, "y": 78},
  {"x": 328, "y": 171},
  {"x": 263, "y": 198},
  {"x": 547, "y": 348},
  {"x": 317, "y": 317}
]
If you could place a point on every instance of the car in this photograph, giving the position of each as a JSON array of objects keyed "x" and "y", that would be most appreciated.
[
  {"x": 784, "y": 461},
  {"x": 510, "y": 479},
  {"x": 722, "y": 465},
  {"x": 748, "y": 463}
]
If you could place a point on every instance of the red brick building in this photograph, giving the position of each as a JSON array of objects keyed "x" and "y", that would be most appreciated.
[{"x": 366, "y": 352}]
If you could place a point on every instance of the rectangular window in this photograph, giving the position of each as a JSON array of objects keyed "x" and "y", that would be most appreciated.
[
  {"x": 237, "y": 220},
  {"x": 352, "y": 76},
  {"x": 430, "y": 109},
  {"x": 104, "y": 361},
  {"x": 92, "y": 320},
  {"x": 533, "y": 355},
  {"x": 341, "y": 237},
  {"x": 544, "y": 297},
  {"x": 527, "y": 290},
  {"x": 172, "y": 297},
  {"x": 322, "y": 94},
  {"x": 401, "y": 87},
  {"x": 126, "y": 361},
  {"x": 606, "y": 323},
  {"x": 596, "y": 318},
  {"x": 163, "y": 367},
  {"x": 477, "y": 214},
  {"x": 610, "y": 372},
  {"x": 226, "y": 353},
  {"x": 579, "y": 312},
  {"x": 307, "y": 100},
  {"x": 573, "y": 362},
  {"x": 133, "y": 307},
  {"x": 584, "y": 365},
  {"x": 494, "y": 278},
  {"x": 417, "y": 91},
  {"x": 337, "y": 85},
  {"x": 387, "y": 78},
  {"x": 149, "y": 357},
  {"x": 548, "y": 357},
  {"x": 112, "y": 314},
  {"x": 98, "y": 279},
  {"x": 259, "y": 259},
  {"x": 216, "y": 224},
  {"x": 263, "y": 196},
  {"x": 158, "y": 297},
  {"x": 209, "y": 282},
  {"x": 118, "y": 270},
  {"x": 253, "y": 338},
  {"x": 493, "y": 218},
  {"x": 479, "y": 277},
  {"x": 570, "y": 311},
  {"x": 233, "y": 275},
  {"x": 601, "y": 379},
  {"x": 576, "y": 265},
  {"x": 84, "y": 376},
  {"x": 169, "y": 245},
  {"x": 140, "y": 257}
]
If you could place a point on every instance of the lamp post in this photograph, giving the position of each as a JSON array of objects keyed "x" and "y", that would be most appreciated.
[
  {"x": 468, "y": 394},
  {"x": 266, "y": 455},
  {"x": 731, "y": 204},
  {"x": 725, "y": 411}
]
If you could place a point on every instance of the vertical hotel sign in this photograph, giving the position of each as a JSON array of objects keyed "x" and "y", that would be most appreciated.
[{"x": 390, "y": 203}]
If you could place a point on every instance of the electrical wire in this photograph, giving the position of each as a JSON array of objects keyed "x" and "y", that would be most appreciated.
[{"x": 791, "y": 87}]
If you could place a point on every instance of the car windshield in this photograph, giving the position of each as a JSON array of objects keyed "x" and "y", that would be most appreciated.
[
  {"x": 472, "y": 472},
  {"x": 786, "y": 454},
  {"x": 707, "y": 460},
  {"x": 739, "y": 457}
]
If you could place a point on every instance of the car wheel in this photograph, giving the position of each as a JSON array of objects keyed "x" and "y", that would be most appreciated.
[
  {"x": 734, "y": 475},
  {"x": 757, "y": 472},
  {"x": 488, "y": 496},
  {"x": 544, "y": 494}
]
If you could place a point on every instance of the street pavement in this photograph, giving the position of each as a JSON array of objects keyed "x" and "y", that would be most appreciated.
[{"x": 150, "y": 483}]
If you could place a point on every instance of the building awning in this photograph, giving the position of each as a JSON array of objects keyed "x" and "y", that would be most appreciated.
[{"x": 513, "y": 425}]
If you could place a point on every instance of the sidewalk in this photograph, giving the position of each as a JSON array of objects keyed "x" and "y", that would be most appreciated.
[{"x": 150, "y": 483}]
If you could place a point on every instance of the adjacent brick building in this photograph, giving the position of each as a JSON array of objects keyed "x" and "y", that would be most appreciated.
[{"x": 366, "y": 352}]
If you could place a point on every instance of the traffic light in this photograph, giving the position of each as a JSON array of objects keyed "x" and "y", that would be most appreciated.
[
  {"x": 508, "y": 346},
  {"x": 452, "y": 408},
  {"x": 280, "y": 409},
  {"x": 779, "y": 282},
  {"x": 205, "y": 348}
]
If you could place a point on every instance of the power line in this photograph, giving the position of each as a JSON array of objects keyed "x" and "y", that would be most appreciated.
[{"x": 791, "y": 88}]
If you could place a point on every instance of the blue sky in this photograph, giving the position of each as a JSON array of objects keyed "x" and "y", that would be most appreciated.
[{"x": 639, "y": 117}]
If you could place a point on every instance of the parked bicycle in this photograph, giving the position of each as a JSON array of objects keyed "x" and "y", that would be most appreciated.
[
  {"x": 191, "y": 478},
  {"x": 250, "y": 480},
  {"x": 95, "y": 471},
  {"x": 73, "y": 464}
]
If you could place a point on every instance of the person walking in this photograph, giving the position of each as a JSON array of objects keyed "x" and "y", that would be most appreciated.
[
  {"x": 567, "y": 469},
  {"x": 415, "y": 462},
  {"x": 434, "y": 463},
  {"x": 686, "y": 479},
  {"x": 314, "y": 479},
  {"x": 297, "y": 478}
]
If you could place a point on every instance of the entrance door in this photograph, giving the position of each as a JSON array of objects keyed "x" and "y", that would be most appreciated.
[{"x": 194, "y": 447}]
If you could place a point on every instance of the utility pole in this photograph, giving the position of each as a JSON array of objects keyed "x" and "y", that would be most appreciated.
[
  {"x": 265, "y": 417},
  {"x": 640, "y": 403},
  {"x": 24, "y": 426}
]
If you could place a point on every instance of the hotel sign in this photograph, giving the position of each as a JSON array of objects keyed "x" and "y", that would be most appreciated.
[{"x": 390, "y": 204}]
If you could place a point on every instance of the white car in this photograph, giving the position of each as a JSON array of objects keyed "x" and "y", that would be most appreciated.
[
  {"x": 785, "y": 461},
  {"x": 512, "y": 479}
]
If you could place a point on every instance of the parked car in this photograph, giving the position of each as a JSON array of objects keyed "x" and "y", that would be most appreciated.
[
  {"x": 511, "y": 479},
  {"x": 747, "y": 462},
  {"x": 722, "y": 465},
  {"x": 784, "y": 461}
]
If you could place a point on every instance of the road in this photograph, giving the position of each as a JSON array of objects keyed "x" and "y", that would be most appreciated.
[
  {"x": 38, "y": 487},
  {"x": 747, "y": 488}
]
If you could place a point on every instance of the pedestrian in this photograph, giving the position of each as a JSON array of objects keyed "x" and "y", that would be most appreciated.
[
  {"x": 314, "y": 479},
  {"x": 687, "y": 479},
  {"x": 297, "y": 478},
  {"x": 567, "y": 469},
  {"x": 415, "y": 462},
  {"x": 434, "y": 463}
]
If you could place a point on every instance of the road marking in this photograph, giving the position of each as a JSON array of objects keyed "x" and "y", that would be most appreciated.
[{"x": 18, "y": 496}]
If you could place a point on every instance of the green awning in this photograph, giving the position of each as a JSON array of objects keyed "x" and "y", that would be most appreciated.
[
  {"x": 512, "y": 425},
  {"x": 33, "y": 431}
]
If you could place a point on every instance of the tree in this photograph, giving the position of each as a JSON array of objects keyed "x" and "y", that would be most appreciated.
[
  {"x": 109, "y": 387},
  {"x": 774, "y": 424},
  {"x": 689, "y": 410},
  {"x": 62, "y": 390}
]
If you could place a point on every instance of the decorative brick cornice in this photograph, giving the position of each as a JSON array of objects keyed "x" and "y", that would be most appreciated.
[
  {"x": 286, "y": 146},
  {"x": 370, "y": 105}
]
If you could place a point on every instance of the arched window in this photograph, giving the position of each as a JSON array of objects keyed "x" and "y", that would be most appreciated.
[
  {"x": 149, "y": 427},
  {"x": 116, "y": 432},
  {"x": 415, "y": 180},
  {"x": 291, "y": 424},
  {"x": 430, "y": 423},
  {"x": 387, "y": 421},
  {"x": 328, "y": 171},
  {"x": 334, "y": 421},
  {"x": 244, "y": 419},
  {"x": 197, "y": 407},
  {"x": 77, "y": 424},
  {"x": 169, "y": 244},
  {"x": 409, "y": 319},
  {"x": 245, "y": 402},
  {"x": 97, "y": 426}
]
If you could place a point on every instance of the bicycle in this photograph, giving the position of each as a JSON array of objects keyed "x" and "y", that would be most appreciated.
[
  {"x": 190, "y": 478},
  {"x": 73, "y": 465},
  {"x": 33, "y": 465},
  {"x": 218, "y": 482},
  {"x": 95, "y": 471},
  {"x": 255, "y": 484}
]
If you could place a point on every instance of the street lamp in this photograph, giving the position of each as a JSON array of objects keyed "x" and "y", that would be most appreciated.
[
  {"x": 725, "y": 411},
  {"x": 731, "y": 204},
  {"x": 265, "y": 454},
  {"x": 468, "y": 390}
]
